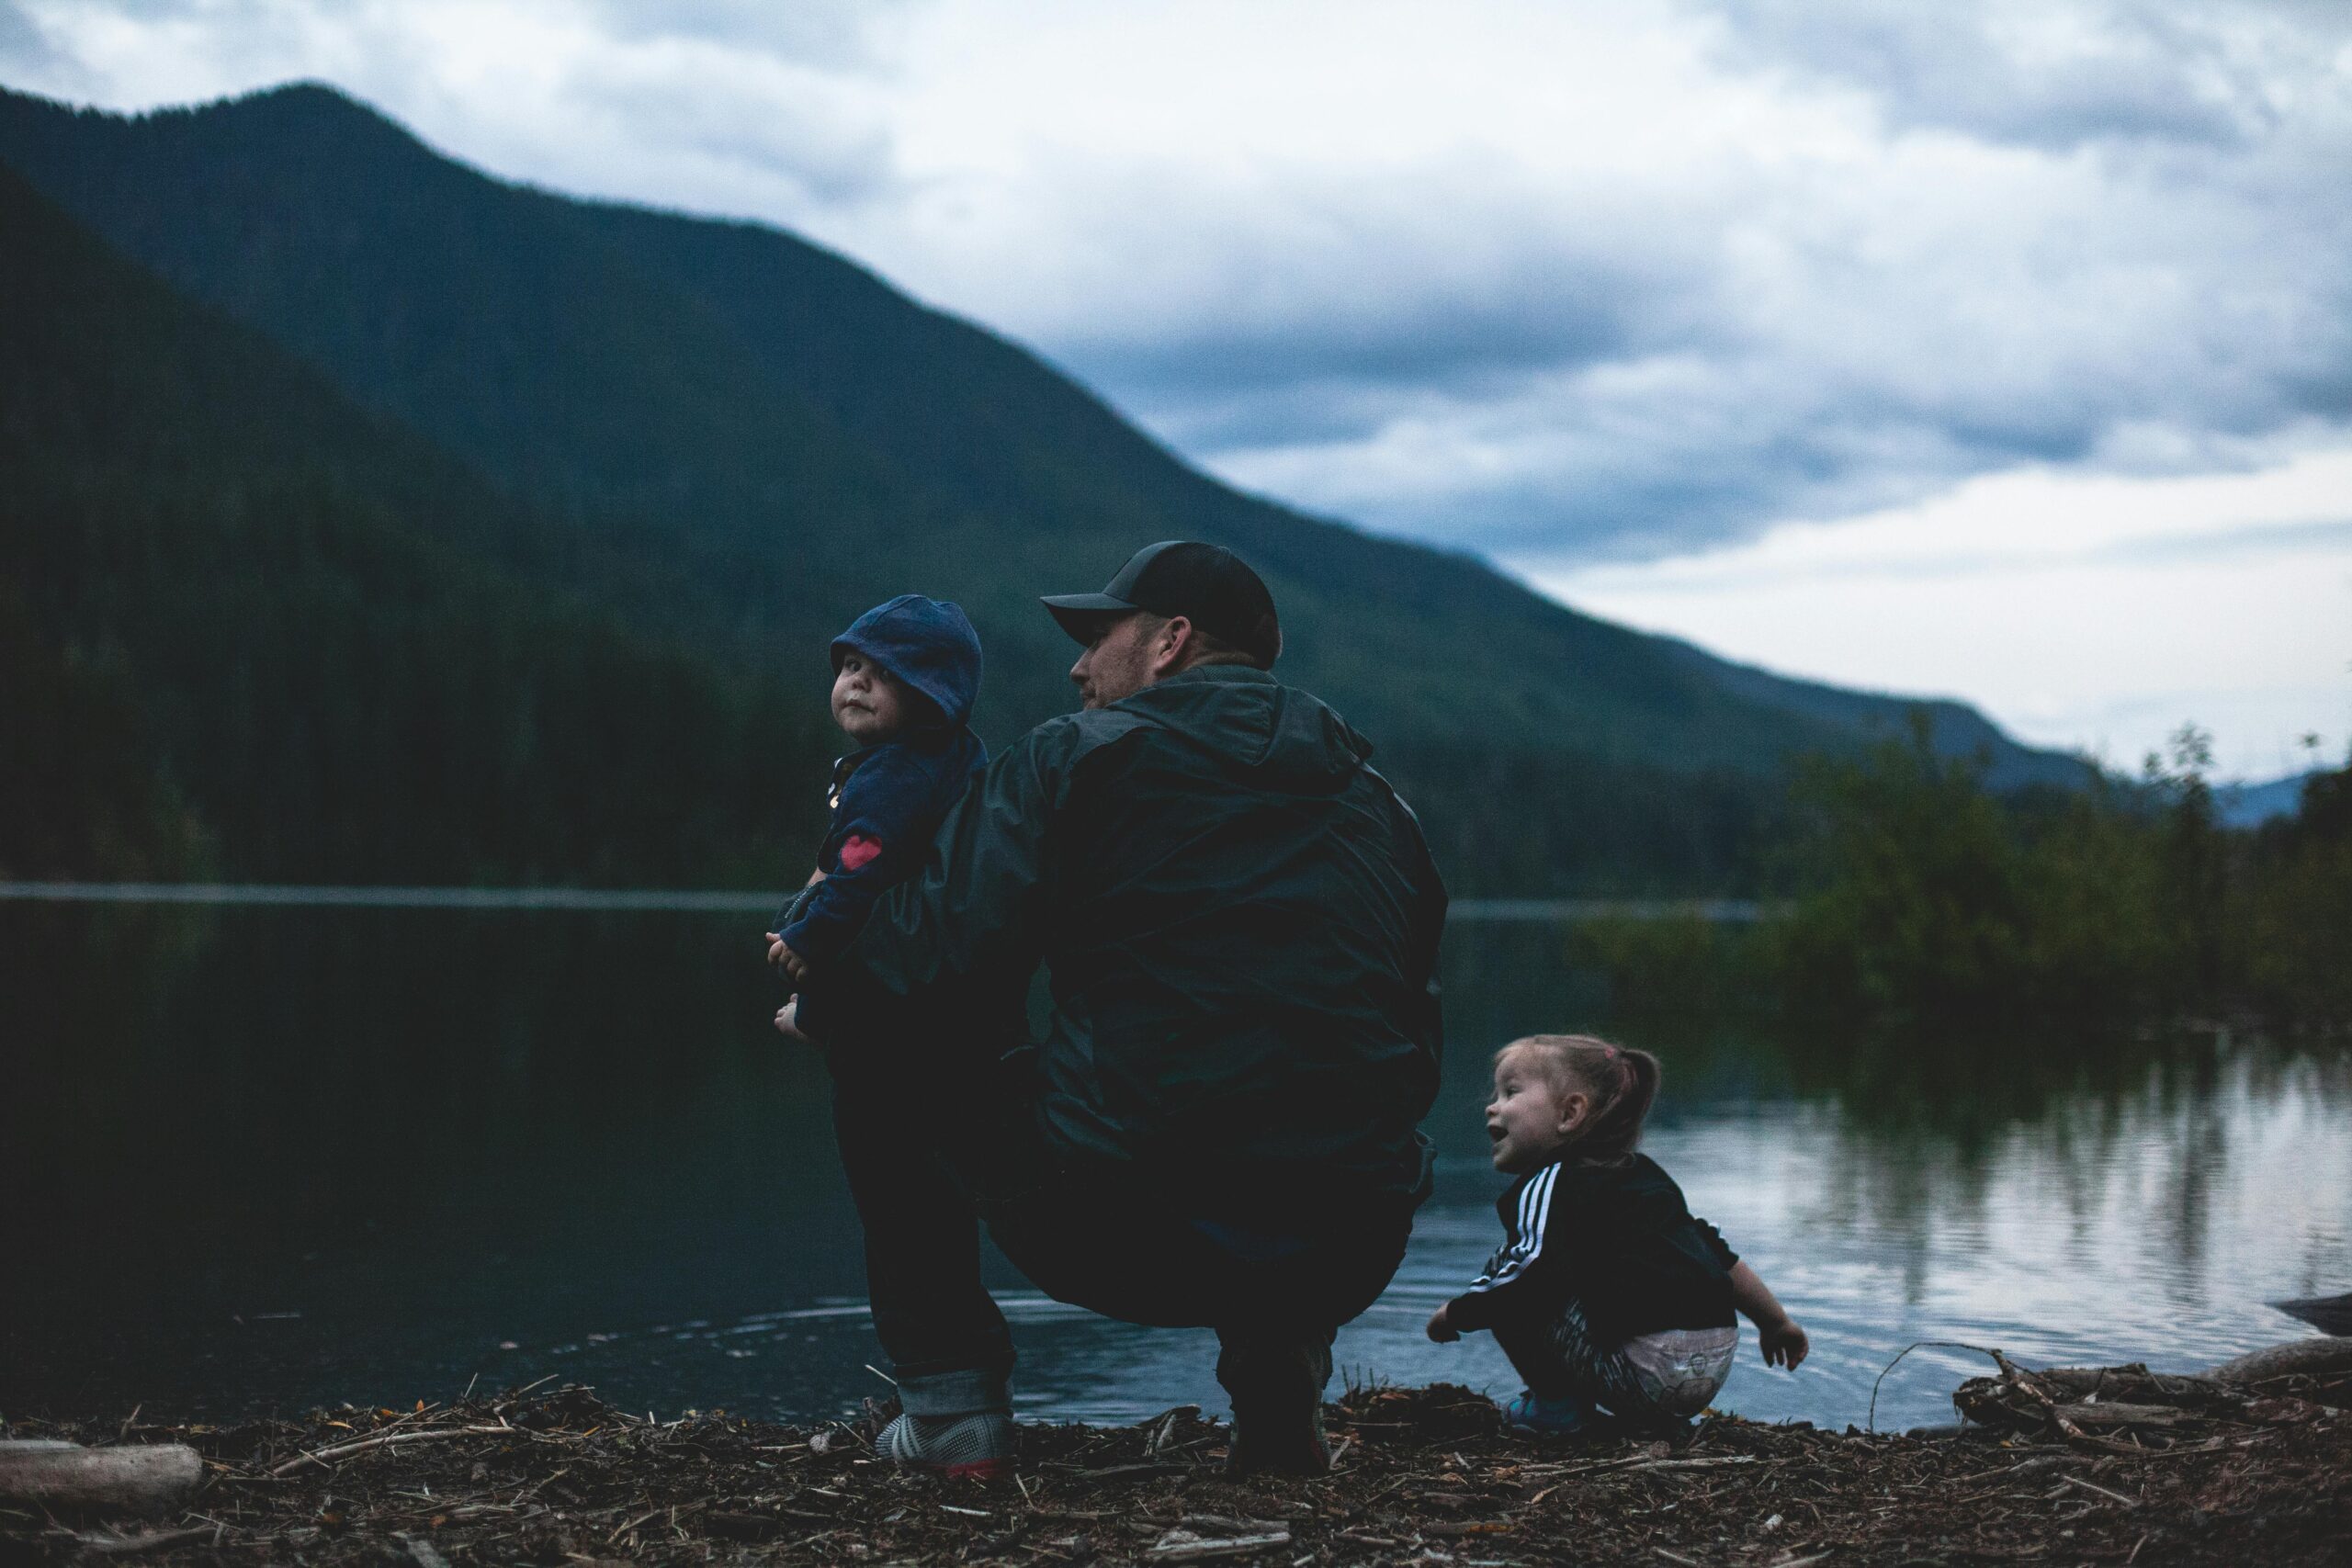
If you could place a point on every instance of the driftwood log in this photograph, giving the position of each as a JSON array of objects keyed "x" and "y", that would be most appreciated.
[
  {"x": 66, "y": 1478},
  {"x": 2329, "y": 1357},
  {"x": 2119, "y": 1406}
]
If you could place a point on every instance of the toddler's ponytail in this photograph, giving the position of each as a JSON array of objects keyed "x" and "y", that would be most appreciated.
[{"x": 1622, "y": 1084}]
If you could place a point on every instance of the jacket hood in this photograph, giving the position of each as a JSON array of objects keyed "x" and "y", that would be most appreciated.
[
  {"x": 1278, "y": 736},
  {"x": 928, "y": 644}
]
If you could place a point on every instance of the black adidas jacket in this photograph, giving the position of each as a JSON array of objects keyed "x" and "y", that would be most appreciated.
[{"x": 1617, "y": 1239}]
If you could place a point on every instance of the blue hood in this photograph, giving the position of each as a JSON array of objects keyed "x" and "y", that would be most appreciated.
[{"x": 929, "y": 643}]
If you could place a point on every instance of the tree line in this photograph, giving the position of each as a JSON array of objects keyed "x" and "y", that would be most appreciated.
[{"x": 1910, "y": 890}]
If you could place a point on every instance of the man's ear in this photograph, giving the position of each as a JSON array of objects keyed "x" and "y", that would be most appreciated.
[{"x": 1172, "y": 646}]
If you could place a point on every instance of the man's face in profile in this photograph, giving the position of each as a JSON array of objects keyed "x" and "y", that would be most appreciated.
[{"x": 1117, "y": 662}]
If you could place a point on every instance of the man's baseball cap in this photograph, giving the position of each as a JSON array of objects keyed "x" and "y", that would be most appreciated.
[{"x": 1207, "y": 584}]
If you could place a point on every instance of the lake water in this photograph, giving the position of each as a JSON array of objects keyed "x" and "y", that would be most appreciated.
[{"x": 261, "y": 1158}]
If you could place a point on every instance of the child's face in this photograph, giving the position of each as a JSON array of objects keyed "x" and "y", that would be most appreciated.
[
  {"x": 869, "y": 704},
  {"x": 1530, "y": 1121}
]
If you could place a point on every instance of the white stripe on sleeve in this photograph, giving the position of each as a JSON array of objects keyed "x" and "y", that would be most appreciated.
[{"x": 1527, "y": 1243}]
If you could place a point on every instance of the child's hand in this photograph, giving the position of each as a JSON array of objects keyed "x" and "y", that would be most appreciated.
[
  {"x": 793, "y": 964},
  {"x": 1441, "y": 1328},
  {"x": 787, "y": 1021},
  {"x": 1785, "y": 1343}
]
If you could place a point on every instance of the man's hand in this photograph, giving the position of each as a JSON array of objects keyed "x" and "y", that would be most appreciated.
[
  {"x": 1441, "y": 1328},
  {"x": 1785, "y": 1343},
  {"x": 787, "y": 1021},
  {"x": 791, "y": 963}
]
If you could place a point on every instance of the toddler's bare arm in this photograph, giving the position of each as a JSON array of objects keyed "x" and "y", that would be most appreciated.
[{"x": 1784, "y": 1340}]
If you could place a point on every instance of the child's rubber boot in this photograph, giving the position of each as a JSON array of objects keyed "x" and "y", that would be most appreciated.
[
  {"x": 1562, "y": 1417},
  {"x": 957, "y": 1424},
  {"x": 1276, "y": 1382}
]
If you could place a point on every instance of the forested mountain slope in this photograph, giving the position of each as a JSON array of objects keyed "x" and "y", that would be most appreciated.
[
  {"x": 719, "y": 441},
  {"x": 248, "y": 627}
]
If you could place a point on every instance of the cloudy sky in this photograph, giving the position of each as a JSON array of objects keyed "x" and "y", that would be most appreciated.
[{"x": 2000, "y": 349}]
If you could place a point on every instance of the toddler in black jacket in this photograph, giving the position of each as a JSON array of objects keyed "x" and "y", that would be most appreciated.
[
  {"x": 1607, "y": 1291},
  {"x": 905, "y": 674}
]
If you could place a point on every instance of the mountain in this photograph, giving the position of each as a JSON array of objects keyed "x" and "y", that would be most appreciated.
[
  {"x": 247, "y": 625},
  {"x": 716, "y": 442},
  {"x": 2250, "y": 804}
]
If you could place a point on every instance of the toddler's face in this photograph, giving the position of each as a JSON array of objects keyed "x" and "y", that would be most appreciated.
[
  {"x": 1528, "y": 1120},
  {"x": 869, "y": 704}
]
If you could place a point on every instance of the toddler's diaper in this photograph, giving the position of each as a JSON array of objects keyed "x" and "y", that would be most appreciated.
[{"x": 1680, "y": 1369}]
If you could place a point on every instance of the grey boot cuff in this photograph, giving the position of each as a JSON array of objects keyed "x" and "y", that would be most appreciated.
[{"x": 976, "y": 1393}]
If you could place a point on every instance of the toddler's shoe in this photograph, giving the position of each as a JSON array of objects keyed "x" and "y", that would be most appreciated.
[
  {"x": 955, "y": 1423},
  {"x": 1565, "y": 1416}
]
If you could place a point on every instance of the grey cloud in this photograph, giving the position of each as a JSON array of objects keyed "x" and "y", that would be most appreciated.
[
  {"x": 1442, "y": 343},
  {"x": 1542, "y": 447},
  {"x": 2139, "y": 70},
  {"x": 1666, "y": 498},
  {"x": 1275, "y": 340},
  {"x": 2234, "y": 544},
  {"x": 831, "y": 160},
  {"x": 758, "y": 92},
  {"x": 1583, "y": 485},
  {"x": 2216, "y": 545},
  {"x": 1886, "y": 351},
  {"x": 1668, "y": 501},
  {"x": 150, "y": 10},
  {"x": 1580, "y": 468},
  {"x": 1205, "y": 420},
  {"x": 25, "y": 48},
  {"x": 834, "y": 34}
]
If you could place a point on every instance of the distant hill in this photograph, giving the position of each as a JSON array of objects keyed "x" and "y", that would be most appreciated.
[
  {"x": 2252, "y": 805},
  {"x": 705, "y": 444}
]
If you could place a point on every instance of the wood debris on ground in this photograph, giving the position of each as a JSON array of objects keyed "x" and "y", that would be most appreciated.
[{"x": 2194, "y": 1473}]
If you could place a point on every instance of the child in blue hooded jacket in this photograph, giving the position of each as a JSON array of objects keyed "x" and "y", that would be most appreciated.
[{"x": 905, "y": 675}]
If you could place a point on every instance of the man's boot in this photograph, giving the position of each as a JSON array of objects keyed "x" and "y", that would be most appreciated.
[
  {"x": 1276, "y": 1382},
  {"x": 955, "y": 1423}
]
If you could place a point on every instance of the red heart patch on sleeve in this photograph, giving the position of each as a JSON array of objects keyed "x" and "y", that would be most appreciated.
[{"x": 857, "y": 850}]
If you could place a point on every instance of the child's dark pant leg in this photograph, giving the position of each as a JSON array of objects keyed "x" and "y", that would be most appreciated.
[
  {"x": 907, "y": 1137},
  {"x": 1559, "y": 1359}
]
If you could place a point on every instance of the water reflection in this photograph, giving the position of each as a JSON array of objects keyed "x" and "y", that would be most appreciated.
[{"x": 264, "y": 1157}]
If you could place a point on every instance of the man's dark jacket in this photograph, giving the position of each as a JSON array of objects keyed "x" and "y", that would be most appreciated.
[{"x": 1240, "y": 923}]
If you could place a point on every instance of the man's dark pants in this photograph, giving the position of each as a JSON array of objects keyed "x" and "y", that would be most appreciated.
[{"x": 932, "y": 1148}]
